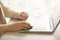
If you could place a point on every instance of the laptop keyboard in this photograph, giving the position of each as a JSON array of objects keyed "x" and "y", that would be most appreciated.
[{"x": 39, "y": 23}]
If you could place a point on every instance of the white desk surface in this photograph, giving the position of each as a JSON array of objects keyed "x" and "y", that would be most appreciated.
[{"x": 32, "y": 36}]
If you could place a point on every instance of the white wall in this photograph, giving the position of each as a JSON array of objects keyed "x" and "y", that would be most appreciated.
[{"x": 42, "y": 7}]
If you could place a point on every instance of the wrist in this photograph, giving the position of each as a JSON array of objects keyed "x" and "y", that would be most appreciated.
[
  {"x": 2, "y": 30},
  {"x": 7, "y": 29}
]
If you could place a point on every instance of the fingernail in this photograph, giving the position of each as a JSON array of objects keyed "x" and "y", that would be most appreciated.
[{"x": 30, "y": 27}]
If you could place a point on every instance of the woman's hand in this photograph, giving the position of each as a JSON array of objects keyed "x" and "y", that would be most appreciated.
[
  {"x": 23, "y": 16},
  {"x": 18, "y": 26}
]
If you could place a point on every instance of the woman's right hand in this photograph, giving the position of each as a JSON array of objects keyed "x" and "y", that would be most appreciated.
[{"x": 18, "y": 26}]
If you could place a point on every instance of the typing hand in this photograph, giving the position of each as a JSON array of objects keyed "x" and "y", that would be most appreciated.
[{"x": 18, "y": 26}]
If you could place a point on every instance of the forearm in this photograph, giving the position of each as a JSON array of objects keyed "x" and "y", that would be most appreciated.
[
  {"x": 12, "y": 14},
  {"x": 9, "y": 13},
  {"x": 3, "y": 28},
  {"x": 1, "y": 31}
]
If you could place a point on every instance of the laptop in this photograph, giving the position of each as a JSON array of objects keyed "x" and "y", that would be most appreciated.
[
  {"x": 41, "y": 23},
  {"x": 44, "y": 23}
]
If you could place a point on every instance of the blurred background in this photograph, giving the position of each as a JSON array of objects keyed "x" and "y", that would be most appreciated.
[{"x": 37, "y": 7}]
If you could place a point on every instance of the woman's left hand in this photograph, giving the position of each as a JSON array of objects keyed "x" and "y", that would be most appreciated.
[{"x": 23, "y": 16}]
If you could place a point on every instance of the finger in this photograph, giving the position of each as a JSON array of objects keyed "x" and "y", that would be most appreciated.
[
  {"x": 24, "y": 24},
  {"x": 27, "y": 27},
  {"x": 24, "y": 14}
]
